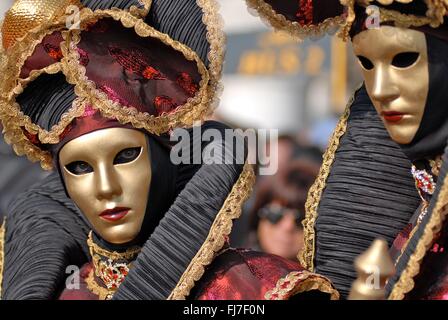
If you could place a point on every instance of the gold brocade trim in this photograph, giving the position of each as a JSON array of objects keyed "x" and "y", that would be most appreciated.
[
  {"x": 280, "y": 22},
  {"x": 405, "y": 20},
  {"x": 95, "y": 288},
  {"x": 401, "y": 20},
  {"x": 306, "y": 256},
  {"x": 436, "y": 165},
  {"x": 221, "y": 228},
  {"x": 406, "y": 282},
  {"x": 13, "y": 120},
  {"x": 141, "y": 13},
  {"x": 217, "y": 40},
  {"x": 298, "y": 282},
  {"x": 2, "y": 253},
  {"x": 130, "y": 253},
  {"x": 11, "y": 85},
  {"x": 195, "y": 108}
]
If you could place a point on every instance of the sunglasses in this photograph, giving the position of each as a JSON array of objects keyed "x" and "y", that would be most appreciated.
[{"x": 275, "y": 213}]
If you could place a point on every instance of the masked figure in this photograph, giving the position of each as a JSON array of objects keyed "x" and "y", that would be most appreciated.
[
  {"x": 94, "y": 90},
  {"x": 383, "y": 173}
]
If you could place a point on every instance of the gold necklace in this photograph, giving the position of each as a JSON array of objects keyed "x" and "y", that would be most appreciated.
[
  {"x": 95, "y": 288},
  {"x": 436, "y": 164},
  {"x": 111, "y": 271},
  {"x": 114, "y": 255}
]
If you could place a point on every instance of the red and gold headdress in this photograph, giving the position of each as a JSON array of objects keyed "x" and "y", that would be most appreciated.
[
  {"x": 115, "y": 62},
  {"x": 309, "y": 18}
]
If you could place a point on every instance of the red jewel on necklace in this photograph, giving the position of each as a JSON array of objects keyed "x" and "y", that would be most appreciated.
[{"x": 424, "y": 181}]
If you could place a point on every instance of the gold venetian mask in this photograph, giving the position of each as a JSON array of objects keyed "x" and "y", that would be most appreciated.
[
  {"x": 107, "y": 174},
  {"x": 394, "y": 62}
]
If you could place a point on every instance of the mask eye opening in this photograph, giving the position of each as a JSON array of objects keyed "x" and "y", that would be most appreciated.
[
  {"x": 365, "y": 63},
  {"x": 405, "y": 59},
  {"x": 79, "y": 168},
  {"x": 127, "y": 155}
]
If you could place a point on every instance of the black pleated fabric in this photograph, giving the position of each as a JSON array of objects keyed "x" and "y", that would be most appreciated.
[
  {"x": 184, "y": 228},
  {"x": 370, "y": 193},
  {"x": 180, "y": 234},
  {"x": 46, "y": 99},
  {"x": 44, "y": 234},
  {"x": 182, "y": 21},
  {"x": 108, "y": 4}
]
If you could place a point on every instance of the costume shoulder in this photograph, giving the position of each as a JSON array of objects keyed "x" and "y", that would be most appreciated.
[
  {"x": 240, "y": 274},
  {"x": 43, "y": 227}
]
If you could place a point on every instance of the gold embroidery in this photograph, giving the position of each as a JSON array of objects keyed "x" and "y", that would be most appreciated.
[
  {"x": 406, "y": 281},
  {"x": 2, "y": 253},
  {"x": 29, "y": 14},
  {"x": 306, "y": 256},
  {"x": 436, "y": 164},
  {"x": 433, "y": 17},
  {"x": 222, "y": 226},
  {"x": 296, "y": 30},
  {"x": 95, "y": 288},
  {"x": 217, "y": 40},
  {"x": 107, "y": 268},
  {"x": 13, "y": 120},
  {"x": 141, "y": 13},
  {"x": 129, "y": 254},
  {"x": 185, "y": 115},
  {"x": 301, "y": 281}
]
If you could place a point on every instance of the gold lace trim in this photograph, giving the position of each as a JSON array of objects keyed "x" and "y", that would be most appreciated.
[
  {"x": 306, "y": 256},
  {"x": 196, "y": 108},
  {"x": 222, "y": 226},
  {"x": 95, "y": 288},
  {"x": 141, "y": 13},
  {"x": 217, "y": 40},
  {"x": 13, "y": 119},
  {"x": 2, "y": 253},
  {"x": 296, "y": 30},
  {"x": 406, "y": 282},
  {"x": 301, "y": 281},
  {"x": 129, "y": 254},
  {"x": 11, "y": 86},
  {"x": 185, "y": 115},
  {"x": 434, "y": 17}
]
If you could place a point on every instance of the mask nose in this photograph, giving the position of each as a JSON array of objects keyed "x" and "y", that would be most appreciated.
[
  {"x": 107, "y": 183},
  {"x": 384, "y": 89}
]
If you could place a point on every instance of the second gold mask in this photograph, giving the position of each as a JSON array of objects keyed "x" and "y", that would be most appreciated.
[{"x": 395, "y": 66}]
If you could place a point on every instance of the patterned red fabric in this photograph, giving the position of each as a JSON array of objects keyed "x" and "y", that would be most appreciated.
[
  {"x": 90, "y": 121},
  {"x": 134, "y": 61},
  {"x": 432, "y": 281},
  {"x": 136, "y": 72},
  {"x": 305, "y": 13},
  {"x": 46, "y": 53},
  {"x": 83, "y": 293},
  {"x": 242, "y": 275}
]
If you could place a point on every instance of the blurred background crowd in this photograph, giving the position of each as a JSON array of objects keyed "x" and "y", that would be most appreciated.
[{"x": 270, "y": 82}]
